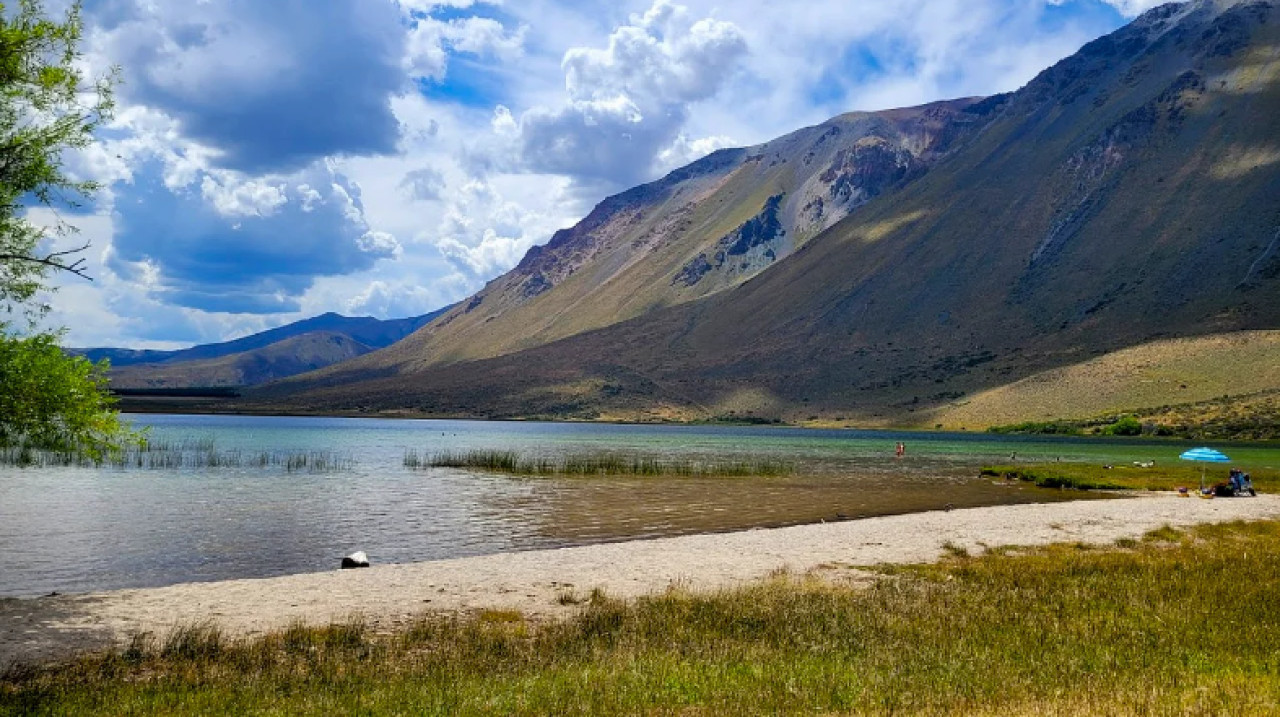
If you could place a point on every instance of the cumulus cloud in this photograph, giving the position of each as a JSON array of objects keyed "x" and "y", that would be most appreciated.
[
  {"x": 482, "y": 233},
  {"x": 242, "y": 248},
  {"x": 423, "y": 185},
  {"x": 233, "y": 197},
  {"x": 629, "y": 100},
  {"x": 385, "y": 299},
  {"x": 685, "y": 150},
  {"x": 260, "y": 82},
  {"x": 378, "y": 244},
  {"x": 431, "y": 41}
]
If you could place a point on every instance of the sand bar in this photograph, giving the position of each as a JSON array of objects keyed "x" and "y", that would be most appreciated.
[{"x": 391, "y": 595}]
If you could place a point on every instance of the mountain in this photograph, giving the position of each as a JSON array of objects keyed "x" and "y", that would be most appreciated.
[
  {"x": 284, "y": 358},
  {"x": 700, "y": 230},
  {"x": 276, "y": 353},
  {"x": 367, "y": 330},
  {"x": 1126, "y": 195}
]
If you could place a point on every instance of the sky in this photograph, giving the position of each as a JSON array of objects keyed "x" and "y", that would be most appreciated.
[{"x": 271, "y": 160}]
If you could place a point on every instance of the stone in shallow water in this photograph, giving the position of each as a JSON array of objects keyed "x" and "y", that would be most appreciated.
[{"x": 355, "y": 560}]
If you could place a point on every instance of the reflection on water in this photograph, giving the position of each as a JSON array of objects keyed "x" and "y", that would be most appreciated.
[
  {"x": 78, "y": 529},
  {"x": 570, "y": 511}
]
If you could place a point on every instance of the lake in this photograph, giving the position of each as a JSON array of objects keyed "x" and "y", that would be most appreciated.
[{"x": 77, "y": 529}]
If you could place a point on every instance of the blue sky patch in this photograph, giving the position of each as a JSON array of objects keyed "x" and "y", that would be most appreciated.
[{"x": 469, "y": 81}]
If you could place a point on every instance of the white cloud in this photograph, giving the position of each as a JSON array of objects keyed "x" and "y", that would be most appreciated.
[
  {"x": 379, "y": 244},
  {"x": 484, "y": 233},
  {"x": 1133, "y": 8},
  {"x": 431, "y": 41},
  {"x": 423, "y": 184},
  {"x": 233, "y": 196},
  {"x": 309, "y": 197},
  {"x": 685, "y": 150},
  {"x": 629, "y": 100},
  {"x": 393, "y": 300},
  {"x": 481, "y": 232},
  {"x": 503, "y": 123}
]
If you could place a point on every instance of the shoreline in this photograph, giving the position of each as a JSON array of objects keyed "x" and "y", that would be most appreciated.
[
  {"x": 543, "y": 583},
  {"x": 909, "y": 431}
]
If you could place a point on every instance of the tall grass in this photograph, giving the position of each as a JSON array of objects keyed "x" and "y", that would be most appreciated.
[
  {"x": 587, "y": 464},
  {"x": 1177, "y": 623},
  {"x": 187, "y": 453}
]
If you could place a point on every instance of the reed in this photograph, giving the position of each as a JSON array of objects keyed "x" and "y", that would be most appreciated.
[
  {"x": 180, "y": 455},
  {"x": 594, "y": 464}
]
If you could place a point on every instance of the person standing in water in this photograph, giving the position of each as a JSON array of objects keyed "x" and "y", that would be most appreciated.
[{"x": 901, "y": 449}]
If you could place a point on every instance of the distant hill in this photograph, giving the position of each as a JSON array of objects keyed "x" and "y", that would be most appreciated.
[
  {"x": 375, "y": 333},
  {"x": 1129, "y": 194},
  {"x": 276, "y": 353},
  {"x": 287, "y": 357}
]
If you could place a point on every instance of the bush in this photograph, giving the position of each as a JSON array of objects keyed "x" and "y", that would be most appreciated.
[
  {"x": 1125, "y": 426},
  {"x": 55, "y": 402}
]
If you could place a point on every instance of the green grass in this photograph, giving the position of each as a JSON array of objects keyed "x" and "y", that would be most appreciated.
[
  {"x": 1176, "y": 623},
  {"x": 1047, "y": 428},
  {"x": 1084, "y": 476},
  {"x": 587, "y": 464}
]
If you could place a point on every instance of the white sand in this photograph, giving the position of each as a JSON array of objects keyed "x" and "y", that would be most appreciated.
[{"x": 532, "y": 582}]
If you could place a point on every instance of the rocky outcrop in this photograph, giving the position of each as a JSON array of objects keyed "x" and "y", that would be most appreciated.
[{"x": 742, "y": 249}]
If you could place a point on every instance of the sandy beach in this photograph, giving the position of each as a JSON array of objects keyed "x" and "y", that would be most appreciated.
[{"x": 535, "y": 581}]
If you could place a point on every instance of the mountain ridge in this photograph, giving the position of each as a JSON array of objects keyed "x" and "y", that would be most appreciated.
[
  {"x": 287, "y": 357},
  {"x": 1126, "y": 194},
  {"x": 623, "y": 258},
  {"x": 316, "y": 342}
]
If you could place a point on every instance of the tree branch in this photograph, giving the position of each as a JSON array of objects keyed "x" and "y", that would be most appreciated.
[{"x": 54, "y": 259}]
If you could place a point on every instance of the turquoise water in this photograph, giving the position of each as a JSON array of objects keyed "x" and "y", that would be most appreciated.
[{"x": 81, "y": 529}]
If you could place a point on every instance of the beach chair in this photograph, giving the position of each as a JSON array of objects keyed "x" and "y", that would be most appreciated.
[{"x": 1244, "y": 486}]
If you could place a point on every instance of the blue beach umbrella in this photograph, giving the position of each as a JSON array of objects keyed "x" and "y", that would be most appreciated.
[{"x": 1204, "y": 455}]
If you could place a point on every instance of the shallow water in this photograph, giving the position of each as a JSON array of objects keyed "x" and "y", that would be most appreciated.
[{"x": 81, "y": 529}]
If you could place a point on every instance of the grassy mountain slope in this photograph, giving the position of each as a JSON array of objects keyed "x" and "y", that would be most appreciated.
[
  {"x": 1128, "y": 194},
  {"x": 698, "y": 231},
  {"x": 366, "y": 330},
  {"x": 287, "y": 357},
  {"x": 1189, "y": 372}
]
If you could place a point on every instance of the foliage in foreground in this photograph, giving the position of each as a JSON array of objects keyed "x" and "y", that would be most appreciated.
[
  {"x": 603, "y": 463},
  {"x": 1175, "y": 623},
  {"x": 48, "y": 401},
  {"x": 55, "y": 402},
  {"x": 46, "y": 107}
]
